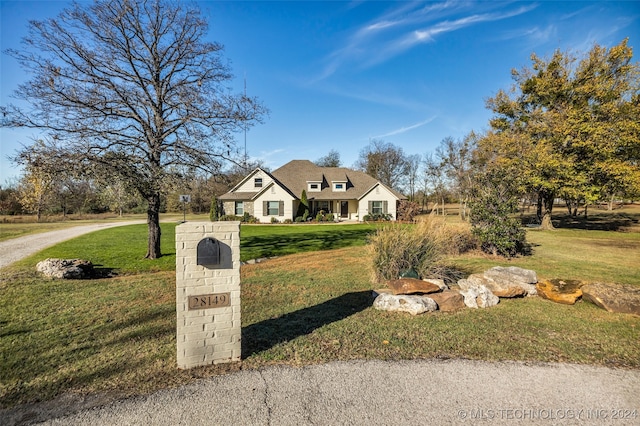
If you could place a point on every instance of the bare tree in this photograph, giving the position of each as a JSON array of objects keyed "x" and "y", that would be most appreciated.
[
  {"x": 332, "y": 159},
  {"x": 456, "y": 159},
  {"x": 131, "y": 87},
  {"x": 413, "y": 169},
  {"x": 434, "y": 178},
  {"x": 385, "y": 162}
]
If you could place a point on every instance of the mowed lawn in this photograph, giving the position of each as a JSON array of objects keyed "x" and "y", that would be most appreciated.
[{"x": 311, "y": 303}]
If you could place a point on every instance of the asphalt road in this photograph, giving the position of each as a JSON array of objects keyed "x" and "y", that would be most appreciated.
[
  {"x": 425, "y": 392},
  {"x": 428, "y": 392}
]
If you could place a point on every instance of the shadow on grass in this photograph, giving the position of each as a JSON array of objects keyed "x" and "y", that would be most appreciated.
[
  {"x": 596, "y": 221},
  {"x": 278, "y": 244},
  {"x": 264, "y": 335}
]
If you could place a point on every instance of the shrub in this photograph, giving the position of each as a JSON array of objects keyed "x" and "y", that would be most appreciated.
[
  {"x": 288, "y": 221},
  {"x": 245, "y": 218},
  {"x": 377, "y": 217},
  {"x": 408, "y": 210},
  {"x": 274, "y": 220},
  {"x": 330, "y": 217},
  {"x": 491, "y": 207},
  {"x": 423, "y": 247},
  {"x": 303, "y": 207},
  {"x": 213, "y": 209}
]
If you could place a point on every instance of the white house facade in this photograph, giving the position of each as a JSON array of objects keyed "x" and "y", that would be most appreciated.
[{"x": 346, "y": 194}]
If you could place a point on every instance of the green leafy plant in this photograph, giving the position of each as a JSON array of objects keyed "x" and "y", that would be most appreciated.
[
  {"x": 213, "y": 210},
  {"x": 493, "y": 202}
]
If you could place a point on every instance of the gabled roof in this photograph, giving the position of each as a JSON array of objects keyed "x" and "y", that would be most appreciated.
[{"x": 295, "y": 175}]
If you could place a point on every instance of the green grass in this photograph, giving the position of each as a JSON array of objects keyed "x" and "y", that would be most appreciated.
[{"x": 117, "y": 335}]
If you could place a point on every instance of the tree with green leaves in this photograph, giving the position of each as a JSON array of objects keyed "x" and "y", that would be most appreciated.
[
  {"x": 571, "y": 126},
  {"x": 131, "y": 87},
  {"x": 213, "y": 210},
  {"x": 303, "y": 207}
]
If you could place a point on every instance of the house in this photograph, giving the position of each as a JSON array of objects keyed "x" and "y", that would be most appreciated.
[{"x": 347, "y": 194}]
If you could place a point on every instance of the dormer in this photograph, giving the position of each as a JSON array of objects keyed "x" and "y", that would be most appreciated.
[
  {"x": 314, "y": 186},
  {"x": 339, "y": 185}
]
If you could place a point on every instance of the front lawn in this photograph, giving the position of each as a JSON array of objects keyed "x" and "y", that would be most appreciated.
[{"x": 117, "y": 335}]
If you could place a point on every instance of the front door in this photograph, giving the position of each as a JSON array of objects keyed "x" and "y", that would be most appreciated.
[{"x": 344, "y": 209}]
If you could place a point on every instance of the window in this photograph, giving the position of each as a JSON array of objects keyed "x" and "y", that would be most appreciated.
[
  {"x": 272, "y": 208},
  {"x": 239, "y": 208},
  {"x": 339, "y": 186},
  {"x": 324, "y": 206},
  {"x": 257, "y": 182},
  {"x": 376, "y": 207},
  {"x": 314, "y": 186}
]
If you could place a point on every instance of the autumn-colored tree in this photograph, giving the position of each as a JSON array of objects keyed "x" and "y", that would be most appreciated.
[{"x": 571, "y": 130}]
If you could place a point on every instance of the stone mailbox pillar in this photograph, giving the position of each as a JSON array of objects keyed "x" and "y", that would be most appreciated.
[{"x": 208, "y": 293}]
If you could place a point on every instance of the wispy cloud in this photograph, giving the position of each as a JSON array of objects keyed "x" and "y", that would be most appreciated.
[
  {"x": 406, "y": 128},
  {"x": 409, "y": 25}
]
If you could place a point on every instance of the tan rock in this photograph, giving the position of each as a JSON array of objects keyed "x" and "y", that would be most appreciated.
[
  {"x": 622, "y": 298},
  {"x": 499, "y": 289},
  {"x": 566, "y": 292},
  {"x": 448, "y": 301},
  {"x": 412, "y": 286}
]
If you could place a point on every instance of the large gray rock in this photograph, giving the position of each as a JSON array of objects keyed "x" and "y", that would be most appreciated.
[
  {"x": 65, "y": 268},
  {"x": 622, "y": 298},
  {"x": 511, "y": 281},
  {"x": 414, "y": 305},
  {"x": 477, "y": 295}
]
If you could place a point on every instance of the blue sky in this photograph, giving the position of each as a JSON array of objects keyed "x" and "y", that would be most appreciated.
[{"x": 336, "y": 74}]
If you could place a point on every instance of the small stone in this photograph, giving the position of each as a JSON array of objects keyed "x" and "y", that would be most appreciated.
[
  {"x": 448, "y": 301},
  {"x": 621, "y": 298},
  {"x": 412, "y": 286},
  {"x": 566, "y": 292},
  {"x": 414, "y": 305}
]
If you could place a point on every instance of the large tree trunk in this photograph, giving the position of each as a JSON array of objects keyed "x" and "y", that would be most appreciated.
[
  {"x": 547, "y": 199},
  {"x": 539, "y": 208},
  {"x": 153, "y": 223}
]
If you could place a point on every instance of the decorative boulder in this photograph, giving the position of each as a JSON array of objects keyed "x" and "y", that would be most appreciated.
[
  {"x": 65, "y": 268},
  {"x": 414, "y": 305},
  {"x": 477, "y": 295},
  {"x": 620, "y": 298},
  {"x": 566, "y": 292},
  {"x": 412, "y": 286},
  {"x": 440, "y": 283},
  {"x": 448, "y": 301},
  {"x": 511, "y": 281},
  {"x": 500, "y": 290}
]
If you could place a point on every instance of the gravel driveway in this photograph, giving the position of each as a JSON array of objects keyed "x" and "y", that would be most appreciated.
[{"x": 18, "y": 248}]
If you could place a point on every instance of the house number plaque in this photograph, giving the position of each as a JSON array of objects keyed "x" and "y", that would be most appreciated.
[{"x": 208, "y": 301}]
